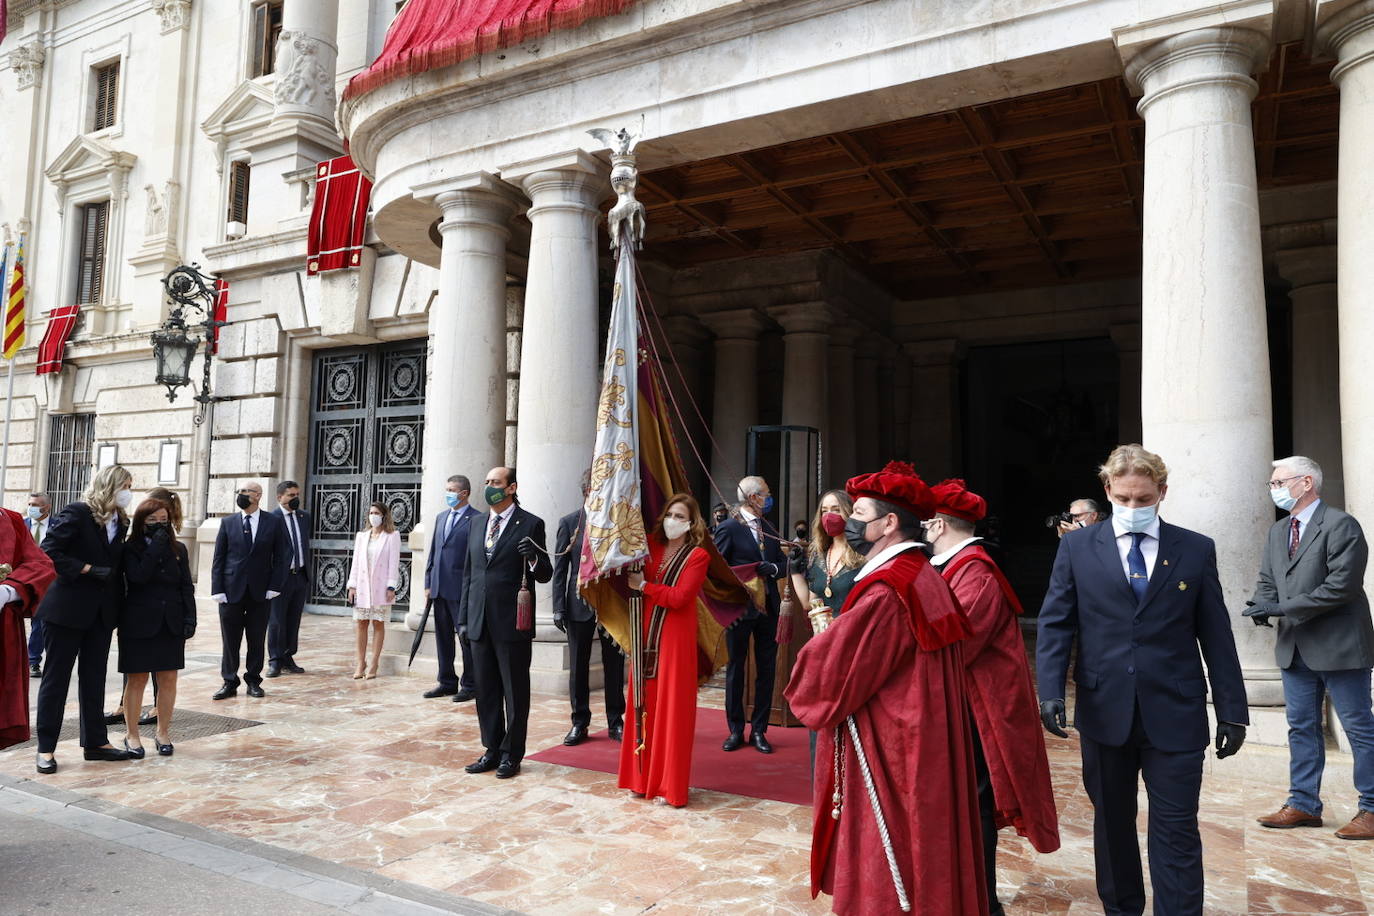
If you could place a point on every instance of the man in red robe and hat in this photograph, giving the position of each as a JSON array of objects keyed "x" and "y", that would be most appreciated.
[
  {"x": 25, "y": 574},
  {"x": 896, "y": 803},
  {"x": 1013, "y": 773}
]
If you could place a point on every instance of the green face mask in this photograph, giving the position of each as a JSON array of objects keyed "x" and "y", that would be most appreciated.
[{"x": 495, "y": 495}]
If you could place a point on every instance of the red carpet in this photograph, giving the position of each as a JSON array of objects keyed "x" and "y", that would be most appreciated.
[{"x": 784, "y": 775}]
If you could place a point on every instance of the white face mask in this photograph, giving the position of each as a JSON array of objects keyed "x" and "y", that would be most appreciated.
[
  {"x": 675, "y": 528},
  {"x": 375, "y": 520},
  {"x": 123, "y": 498}
]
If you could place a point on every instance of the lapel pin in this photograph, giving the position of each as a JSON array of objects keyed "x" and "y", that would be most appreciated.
[
  {"x": 1166, "y": 562},
  {"x": 1183, "y": 586}
]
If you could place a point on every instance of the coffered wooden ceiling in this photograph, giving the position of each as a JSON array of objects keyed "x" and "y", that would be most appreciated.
[{"x": 1031, "y": 191}]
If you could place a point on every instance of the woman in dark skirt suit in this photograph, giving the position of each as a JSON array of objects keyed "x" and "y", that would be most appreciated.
[
  {"x": 159, "y": 616},
  {"x": 79, "y": 612}
]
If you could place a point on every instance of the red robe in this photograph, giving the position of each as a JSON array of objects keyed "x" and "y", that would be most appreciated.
[
  {"x": 1002, "y": 697},
  {"x": 670, "y": 697},
  {"x": 33, "y": 573},
  {"x": 892, "y": 660}
]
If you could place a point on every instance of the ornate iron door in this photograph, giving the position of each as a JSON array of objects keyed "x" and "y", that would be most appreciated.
[{"x": 366, "y": 429}]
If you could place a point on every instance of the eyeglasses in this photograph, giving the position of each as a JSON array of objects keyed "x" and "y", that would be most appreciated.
[{"x": 1275, "y": 484}]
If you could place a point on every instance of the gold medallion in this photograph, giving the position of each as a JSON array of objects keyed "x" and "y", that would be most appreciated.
[
  {"x": 1183, "y": 586},
  {"x": 827, "y": 592}
]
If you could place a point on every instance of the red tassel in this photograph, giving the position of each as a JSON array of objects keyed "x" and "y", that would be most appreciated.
[{"x": 524, "y": 609}]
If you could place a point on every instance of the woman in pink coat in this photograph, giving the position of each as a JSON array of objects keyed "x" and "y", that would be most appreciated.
[{"x": 372, "y": 582}]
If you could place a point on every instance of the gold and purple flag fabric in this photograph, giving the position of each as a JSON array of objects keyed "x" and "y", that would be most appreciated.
[{"x": 636, "y": 469}]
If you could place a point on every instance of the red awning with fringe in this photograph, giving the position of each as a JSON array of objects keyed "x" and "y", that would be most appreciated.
[
  {"x": 430, "y": 34},
  {"x": 61, "y": 323}
]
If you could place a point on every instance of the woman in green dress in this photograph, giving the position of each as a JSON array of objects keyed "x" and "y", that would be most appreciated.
[{"x": 825, "y": 573}]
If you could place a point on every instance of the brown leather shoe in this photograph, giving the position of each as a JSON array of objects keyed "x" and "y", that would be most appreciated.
[
  {"x": 1288, "y": 816},
  {"x": 1361, "y": 828}
]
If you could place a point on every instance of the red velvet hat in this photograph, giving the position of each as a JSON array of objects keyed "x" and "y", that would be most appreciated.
[
  {"x": 953, "y": 497},
  {"x": 898, "y": 484}
]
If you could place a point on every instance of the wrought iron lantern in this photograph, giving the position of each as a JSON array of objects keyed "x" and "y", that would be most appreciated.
[{"x": 174, "y": 347}]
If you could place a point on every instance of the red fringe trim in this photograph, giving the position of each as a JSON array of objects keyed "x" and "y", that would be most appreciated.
[{"x": 466, "y": 40}]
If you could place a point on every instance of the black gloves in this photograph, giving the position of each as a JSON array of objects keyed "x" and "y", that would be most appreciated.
[
  {"x": 1053, "y": 718},
  {"x": 1261, "y": 612},
  {"x": 526, "y": 547},
  {"x": 188, "y": 629},
  {"x": 561, "y": 624},
  {"x": 1229, "y": 739},
  {"x": 768, "y": 570},
  {"x": 99, "y": 573}
]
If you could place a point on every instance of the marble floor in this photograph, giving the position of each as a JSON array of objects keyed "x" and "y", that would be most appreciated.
[{"x": 369, "y": 774}]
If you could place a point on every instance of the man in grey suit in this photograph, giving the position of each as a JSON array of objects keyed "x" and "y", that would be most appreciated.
[{"x": 1311, "y": 581}]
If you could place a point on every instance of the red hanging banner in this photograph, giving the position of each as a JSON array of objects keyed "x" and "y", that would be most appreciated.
[
  {"x": 61, "y": 322},
  {"x": 338, "y": 219}
]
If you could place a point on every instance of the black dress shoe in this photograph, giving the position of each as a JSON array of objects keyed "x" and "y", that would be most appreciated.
[
  {"x": 35, "y": 671},
  {"x": 149, "y": 719},
  {"x": 294, "y": 668},
  {"x": 255, "y": 690},
  {"x": 575, "y": 736},
  {"x": 225, "y": 692},
  {"x": 760, "y": 741},
  {"x": 507, "y": 769},
  {"x": 46, "y": 767},
  {"x": 135, "y": 753},
  {"x": 105, "y": 753},
  {"x": 433, "y": 692},
  {"x": 274, "y": 670},
  {"x": 484, "y": 764},
  {"x": 616, "y": 732},
  {"x": 734, "y": 742},
  {"x": 164, "y": 749},
  {"x": 463, "y": 696}
]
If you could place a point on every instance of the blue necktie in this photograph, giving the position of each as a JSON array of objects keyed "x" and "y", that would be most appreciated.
[
  {"x": 1135, "y": 561},
  {"x": 248, "y": 532}
]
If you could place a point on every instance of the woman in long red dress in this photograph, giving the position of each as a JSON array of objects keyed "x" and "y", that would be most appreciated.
[{"x": 671, "y": 582}]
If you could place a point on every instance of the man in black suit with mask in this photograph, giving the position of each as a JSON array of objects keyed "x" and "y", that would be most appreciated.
[
  {"x": 284, "y": 627},
  {"x": 252, "y": 556},
  {"x": 744, "y": 538},
  {"x": 505, "y": 551},
  {"x": 572, "y": 615},
  {"x": 448, "y": 552}
]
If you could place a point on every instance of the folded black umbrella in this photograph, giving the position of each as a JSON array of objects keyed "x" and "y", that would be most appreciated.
[{"x": 420, "y": 632}]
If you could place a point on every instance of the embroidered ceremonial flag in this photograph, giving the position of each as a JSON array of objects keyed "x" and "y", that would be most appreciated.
[
  {"x": 61, "y": 321},
  {"x": 636, "y": 467},
  {"x": 221, "y": 311},
  {"x": 4, "y": 13},
  {"x": 15, "y": 317},
  {"x": 338, "y": 218}
]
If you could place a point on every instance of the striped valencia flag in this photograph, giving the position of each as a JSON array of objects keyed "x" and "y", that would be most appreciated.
[{"x": 14, "y": 306}]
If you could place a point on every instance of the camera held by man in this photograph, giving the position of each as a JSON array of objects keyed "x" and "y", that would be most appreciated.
[{"x": 1080, "y": 514}]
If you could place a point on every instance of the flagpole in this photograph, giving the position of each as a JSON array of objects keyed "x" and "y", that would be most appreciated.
[{"x": 9, "y": 385}]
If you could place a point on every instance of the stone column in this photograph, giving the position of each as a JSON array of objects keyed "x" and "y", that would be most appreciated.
[
  {"x": 306, "y": 54},
  {"x": 682, "y": 361},
  {"x": 1348, "y": 33},
  {"x": 465, "y": 418},
  {"x": 559, "y": 372},
  {"x": 1205, "y": 404},
  {"x": 735, "y": 396},
  {"x": 901, "y": 406},
  {"x": 806, "y": 360},
  {"x": 1126, "y": 336},
  {"x": 866, "y": 406},
  {"x": 841, "y": 463},
  {"x": 1316, "y": 361},
  {"x": 934, "y": 421}
]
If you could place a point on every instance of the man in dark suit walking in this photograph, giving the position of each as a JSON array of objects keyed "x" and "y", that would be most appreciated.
[
  {"x": 37, "y": 518},
  {"x": 743, "y": 539},
  {"x": 506, "y": 551},
  {"x": 284, "y": 626},
  {"x": 252, "y": 556},
  {"x": 1312, "y": 582},
  {"x": 448, "y": 551},
  {"x": 1141, "y": 597},
  {"x": 574, "y": 617}
]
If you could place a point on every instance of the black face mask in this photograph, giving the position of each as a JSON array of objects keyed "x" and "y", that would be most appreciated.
[
  {"x": 293, "y": 503},
  {"x": 854, "y": 529},
  {"x": 243, "y": 502},
  {"x": 154, "y": 527}
]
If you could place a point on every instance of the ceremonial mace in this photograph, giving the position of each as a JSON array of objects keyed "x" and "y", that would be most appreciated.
[
  {"x": 637, "y": 664},
  {"x": 820, "y": 620}
]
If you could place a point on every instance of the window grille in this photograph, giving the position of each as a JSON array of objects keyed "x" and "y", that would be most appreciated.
[{"x": 70, "y": 439}]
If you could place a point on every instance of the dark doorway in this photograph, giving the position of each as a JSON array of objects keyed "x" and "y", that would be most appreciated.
[{"x": 1038, "y": 420}]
